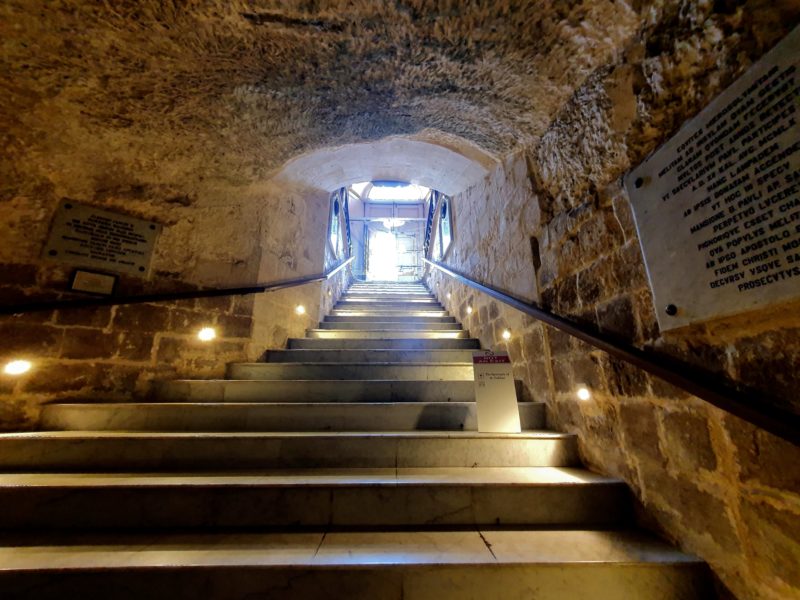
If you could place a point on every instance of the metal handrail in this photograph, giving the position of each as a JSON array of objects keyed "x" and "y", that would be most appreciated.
[
  {"x": 750, "y": 405},
  {"x": 15, "y": 309}
]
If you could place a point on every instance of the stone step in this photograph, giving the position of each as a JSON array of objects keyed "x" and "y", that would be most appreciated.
[
  {"x": 472, "y": 564},
  {"x": 433, "y": 334},
  {"x": 383, "y": 344},
  {"x": 314, "y": 390},
  {"x": 294, "y": 416},
  {"x": 386, "y": 290},
  {"x": 402, "y": 317},
  {"x": 431, "y": 313},
  {"x": 174, "y": 451},
  {"x": 389, "y": 291},
  {"x": 389, "y": 286},
  {"x": 371, "y": 370},
  {"x": 407, "y": 325},
  {"x": 388, "y": 497},
  {"x": 404, "y": 298},
  {"x": 356, "y": 356},
  {"x": 367, "y": 303},
  {"x": 355, "y": 291},
  {"x": 366, "y": 308}
]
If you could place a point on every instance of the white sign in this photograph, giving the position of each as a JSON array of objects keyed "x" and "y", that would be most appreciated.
[
  {"x": 717, "y": 207},
  {"x": 495, "y": 394},
  {"x": 91, "y": 237}
]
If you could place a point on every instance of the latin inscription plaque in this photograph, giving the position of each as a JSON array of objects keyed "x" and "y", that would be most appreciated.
[
  {"x": 87, "y": 236},
  {"x": 717, "y": 207}
]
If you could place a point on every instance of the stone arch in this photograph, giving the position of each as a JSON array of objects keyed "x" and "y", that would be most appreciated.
[{"x": 449, "y": 165}]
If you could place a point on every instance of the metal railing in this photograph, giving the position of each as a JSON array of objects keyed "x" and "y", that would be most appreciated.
[
  {"x": 29, "y": 307},
  {"x": 750, "y": 405}
]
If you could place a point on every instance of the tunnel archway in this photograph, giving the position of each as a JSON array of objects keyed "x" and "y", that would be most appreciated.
[{"x": 449, "y": 165}]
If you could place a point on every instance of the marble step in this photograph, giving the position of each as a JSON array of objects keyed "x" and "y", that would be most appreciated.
[
  {"x": 473, "y": 564},
  {"x": 383, "y": 344},
  {"x": 411, "y": 294},
  {"x": 367, "y": 303},
  {"x": 367, "y": 308},
  {"x": 407, "y": 325},
  {"x": 388, "y": 312},
  {"x": 387, "y": 292},
  {"x": 406, "y": 333},
  {"x": 174, "y": 451},
  {"x": 407, "y": 293},
  {"x": 403, "y": 317},
  {"x": 355, "y": 356},
  {"x": 314, "y": 390},
  {"x": 399, "y": 298},
  {"x": 355, "y": 290},
  {"x": 234, "y": 416},
  {"x": 389, "y": 497},
  {"x": 367, "y": 370}
]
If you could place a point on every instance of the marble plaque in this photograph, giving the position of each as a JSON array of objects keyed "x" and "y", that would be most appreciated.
[
  {"x": 717, "y": 208},
  {"x": 495, "y": 393},
  {"x": 87, "y": 236}
]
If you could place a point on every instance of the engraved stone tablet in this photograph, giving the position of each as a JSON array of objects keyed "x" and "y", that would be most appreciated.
[
  {"x": 717, "y": 207},
  {"x": 90, "y": 237}
]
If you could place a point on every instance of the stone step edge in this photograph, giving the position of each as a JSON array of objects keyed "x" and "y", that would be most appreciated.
[
  {"x": 231, "y": 405},
  {"x": 311, "y": 478},
  {"x": 351, "y": 364},
  {"x": 525, "y": 435}
]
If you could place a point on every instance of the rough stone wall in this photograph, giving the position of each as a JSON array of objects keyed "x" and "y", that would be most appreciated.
[
  {"x": 116, "y": 353},
  {"x": 716, "y": 485}
]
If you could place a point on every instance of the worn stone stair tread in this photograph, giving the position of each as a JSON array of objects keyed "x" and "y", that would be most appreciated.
[
  {"x": 355, "y": 355},
  {"x": 353, "y": 371},
  {"x": 395, "y": 343},
  {"x": 387, "y": 312},
  {"x": 274, "y": 416},
  {"x": 529, "y": 434},
  {"x": 361, "y": 363},
  {"x": 114, "y": 549},
  {"x": 405, "y": 325},
  {"x": 103, "y": 450},
  {"x": 415, "y": 334},
  {"x": 317, "y": 390},
  {"x": 350, "y": 477},
  {"x": 372, "y": 497},
  {"x": 469, "y": 565},
  {"x": 403, "y": 316}
]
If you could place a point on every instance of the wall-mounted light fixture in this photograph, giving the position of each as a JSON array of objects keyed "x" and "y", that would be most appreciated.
[
  {"x": 17, "y": 367},
  {"x": 448, "y": 295},
  {"x": 469, "y": 310},
  {"x": 206, "y": 334},
  {"x": 300, "y": 309},
  {"x": 583, "y": 393},
  {"x": 506, "y": 334}
]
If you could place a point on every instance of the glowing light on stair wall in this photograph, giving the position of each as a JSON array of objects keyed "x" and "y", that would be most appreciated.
[
  {"x": 17, "y": 367},
  {"x": 206, "y": 334}
]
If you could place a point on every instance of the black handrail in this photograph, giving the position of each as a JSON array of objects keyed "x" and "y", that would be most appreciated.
[
  {"x": 698, "y": 382},
  {"x": 16, "y": 309}
]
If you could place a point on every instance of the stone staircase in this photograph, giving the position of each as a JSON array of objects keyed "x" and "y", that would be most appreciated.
[{"x": 346, "y": 466}]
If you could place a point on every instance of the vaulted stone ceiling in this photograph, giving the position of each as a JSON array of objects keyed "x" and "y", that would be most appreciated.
[{"x": 98, "y": 96}]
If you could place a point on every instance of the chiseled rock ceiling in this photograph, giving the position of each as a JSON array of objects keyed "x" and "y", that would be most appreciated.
[{"x": 97, "y": 93}]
